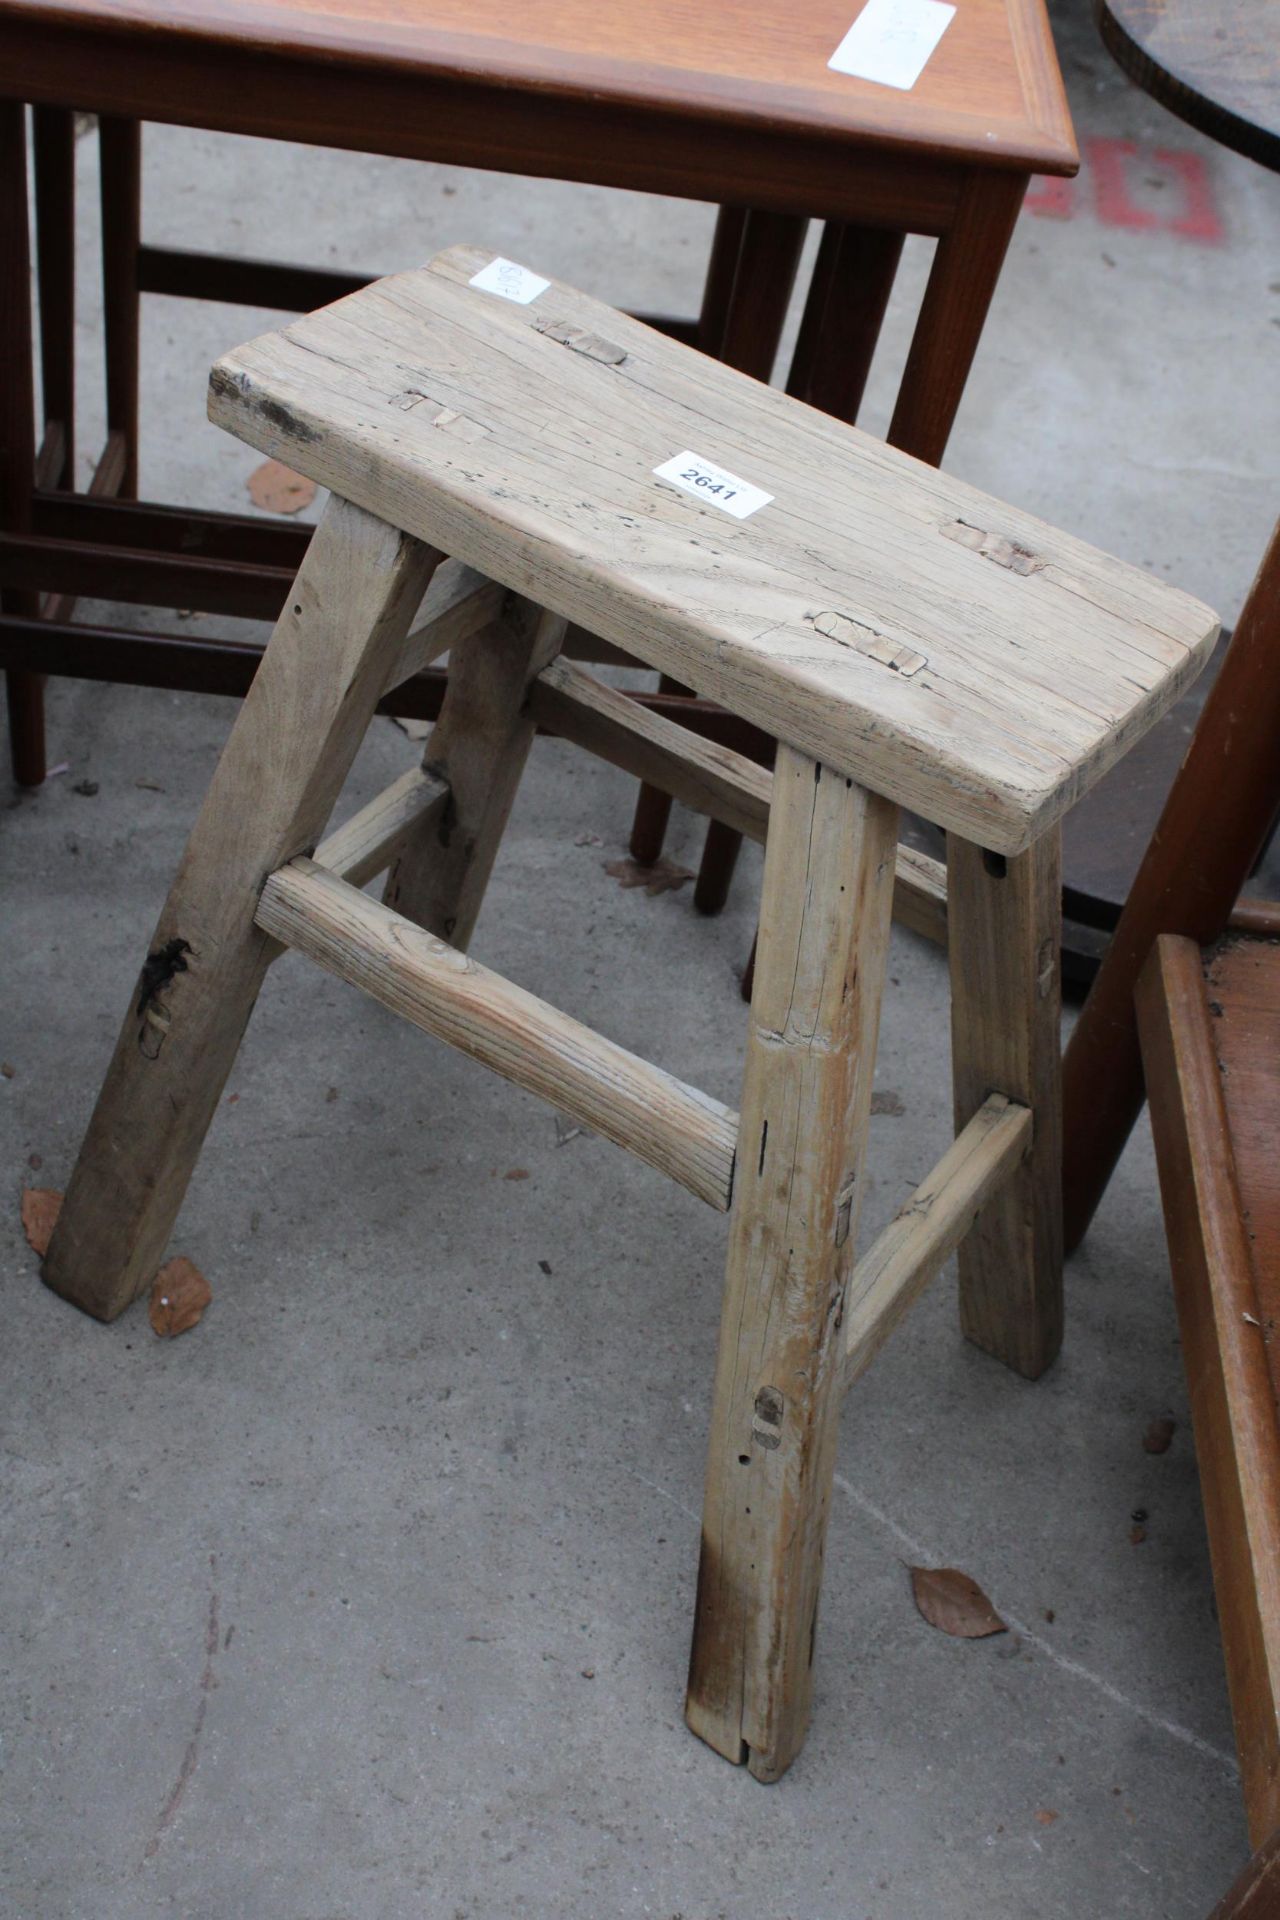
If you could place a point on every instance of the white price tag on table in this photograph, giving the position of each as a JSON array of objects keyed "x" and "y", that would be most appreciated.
[
  {"x": 712, "y": 484},
  {"x": 891, "y": 40},
  {"x": 511, "y": 280}
]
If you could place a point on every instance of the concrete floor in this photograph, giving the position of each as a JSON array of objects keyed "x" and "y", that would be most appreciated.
[{"x": 370, "y": 1598}]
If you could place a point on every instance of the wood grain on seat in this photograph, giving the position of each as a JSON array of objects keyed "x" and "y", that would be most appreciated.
[{"x": 944, "y": 649}]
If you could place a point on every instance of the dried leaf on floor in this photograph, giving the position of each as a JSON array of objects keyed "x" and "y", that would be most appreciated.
[
  {"x": 40, "y": 1209},
  {"x": 664, "y": 877},
  {"x": 953, "y": 1603},
  {"x": 1159, "y": 1434},
  {"x": 179, "y": 1295},
  {"x": 886, "y": 1100},
  {"x": 1046, "y": 1816},
  {"x": 278, "y": 489}
]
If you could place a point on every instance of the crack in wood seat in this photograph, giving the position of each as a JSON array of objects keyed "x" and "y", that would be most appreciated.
[
  {"x": 904, "y": 638},
  {"x": 468, "y": 420}
]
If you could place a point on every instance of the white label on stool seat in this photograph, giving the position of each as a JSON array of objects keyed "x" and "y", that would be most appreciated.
[
  {"x": 713, "y": 485},
  {"x": 891, "y": 40},
  {"x": 512, "y": 281}
]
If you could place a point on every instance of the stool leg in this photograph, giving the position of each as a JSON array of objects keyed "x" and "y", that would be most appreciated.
[
  {"x": 825, "y": 918},
  {"x": 1004, "y": 922},
  {"x": 333, "y": 649},
  {"x": 479, "y": 746}
]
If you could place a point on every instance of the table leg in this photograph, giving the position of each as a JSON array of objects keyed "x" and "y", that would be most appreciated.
[
  {"x": 767, "y": 267},
  {"x": 965, "y": 269},
  {"x": 843, "y": 315},
  {"x": 55, "y": 178},
  {"x": 722, "y": 271},
  {"x": 120, "y": 144},
  {"x": 17, "y": 425}
]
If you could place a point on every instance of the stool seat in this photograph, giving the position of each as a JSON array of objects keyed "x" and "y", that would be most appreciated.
[{"x": 948, "y": 651}]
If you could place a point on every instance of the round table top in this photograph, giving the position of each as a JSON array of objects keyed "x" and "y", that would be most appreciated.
[{"x": 1215, "y": 63}]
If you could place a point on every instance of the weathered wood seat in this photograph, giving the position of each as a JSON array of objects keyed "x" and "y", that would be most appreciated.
[
  {"x": 959, "y": 656},
  {"x": 903, "y": 637}
]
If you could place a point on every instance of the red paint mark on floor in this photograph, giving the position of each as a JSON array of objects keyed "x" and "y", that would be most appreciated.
[
  {"x": 1199, "y": 219},
  {"x": 1118, "y": 179},
  {"x": 1052, "y": 199},
  {"x": 1108, "y": 160}
]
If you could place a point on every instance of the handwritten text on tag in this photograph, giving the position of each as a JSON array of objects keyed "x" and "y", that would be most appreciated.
[{"x": 513, "y": 282}]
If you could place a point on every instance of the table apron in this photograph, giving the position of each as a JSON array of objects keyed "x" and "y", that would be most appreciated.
[{"x": 462, "y": 121}]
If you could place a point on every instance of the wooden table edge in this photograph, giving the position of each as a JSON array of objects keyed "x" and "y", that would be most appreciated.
[{"x": 1043, "y": 143}]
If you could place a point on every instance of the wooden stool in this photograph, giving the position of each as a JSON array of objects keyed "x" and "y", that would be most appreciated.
[{"x": 908, "y": 641}]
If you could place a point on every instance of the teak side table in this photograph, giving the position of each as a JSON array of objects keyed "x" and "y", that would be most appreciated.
[
  {"x": 731, "y": 102},
  {"x": 908, "y": 641}
]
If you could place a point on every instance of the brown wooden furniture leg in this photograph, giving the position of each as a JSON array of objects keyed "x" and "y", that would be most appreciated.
[
  {"x": 54, "y": 145},
  {"x": 17, "y": 426},
  {"x": 852, "y": 282},
  {"x": 1004, "y": 919},
  {"x": 741, "y": 324},
  {"x": 478, "y": 747},
  {"x": 1213, "y": 823},
  {"x": 722, "y": 271},
  {"x": 828, "y": 891},
  {"x": 962, "y": 281},
  {"x": 296, "y": 735},
  {"x": 120, "y": 148},
  {"x": 767, "y": 265}
]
